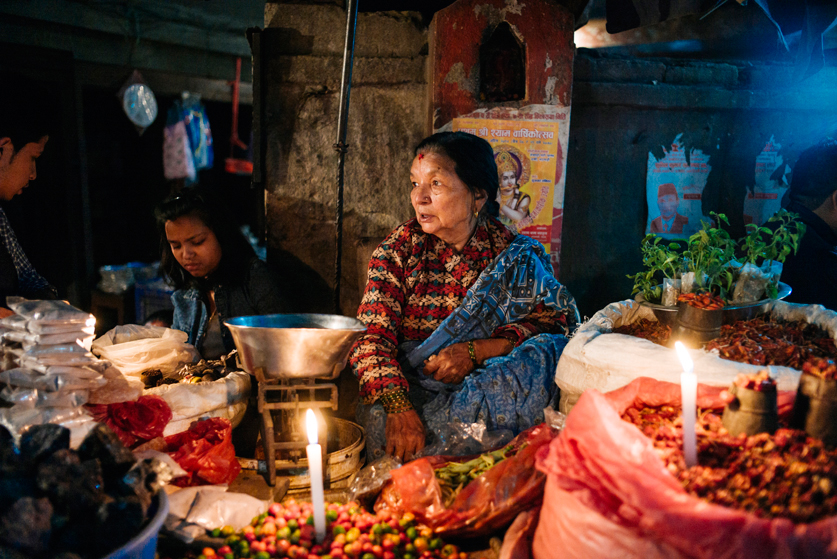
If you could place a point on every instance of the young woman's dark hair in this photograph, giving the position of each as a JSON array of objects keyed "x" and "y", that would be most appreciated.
[
  {"x": 236, "y": 252},
  {"x": 473, "y": 160}
]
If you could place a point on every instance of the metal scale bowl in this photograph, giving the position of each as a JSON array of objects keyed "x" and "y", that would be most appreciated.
[{"x": 288, "y": 353}]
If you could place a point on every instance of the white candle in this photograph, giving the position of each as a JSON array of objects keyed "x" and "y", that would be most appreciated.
[
  {"x": 688, "y": 395},
  {"x": 315, "y": 471}
]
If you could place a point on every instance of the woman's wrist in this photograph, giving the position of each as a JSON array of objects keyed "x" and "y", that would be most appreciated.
[
  {"x": 488, "y": 348},
  {"x": 396, "y": 401}
]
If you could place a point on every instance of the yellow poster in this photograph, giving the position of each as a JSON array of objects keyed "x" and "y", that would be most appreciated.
[{"x": 529, "y": 164}]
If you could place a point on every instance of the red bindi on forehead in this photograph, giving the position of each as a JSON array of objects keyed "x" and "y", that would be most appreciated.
[{"x": 421, "y": 156}]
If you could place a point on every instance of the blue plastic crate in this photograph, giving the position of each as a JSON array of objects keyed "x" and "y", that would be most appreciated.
[{"x": 150, "y": 297}]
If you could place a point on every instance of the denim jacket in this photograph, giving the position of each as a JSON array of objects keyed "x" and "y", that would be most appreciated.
[{"x": 252, "y": 293}]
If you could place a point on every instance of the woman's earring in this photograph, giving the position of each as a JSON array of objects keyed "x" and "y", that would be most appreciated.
[{"x": 476, "y": 212}]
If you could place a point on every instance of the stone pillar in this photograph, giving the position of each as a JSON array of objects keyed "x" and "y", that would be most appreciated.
[{"x": 302, "y": 47}]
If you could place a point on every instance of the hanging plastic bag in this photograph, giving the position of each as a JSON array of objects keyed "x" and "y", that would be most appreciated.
[
  {"x": 134, "y": 349},
  {"x": 178, "y": 162},
  {"x": 138, "y": 101},
  {"x": 206, "y": 452},
  {"x": 193, "y": 115}
]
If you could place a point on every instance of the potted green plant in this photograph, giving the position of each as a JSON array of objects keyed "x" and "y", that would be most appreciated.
[{"x": 661, "y": 261}]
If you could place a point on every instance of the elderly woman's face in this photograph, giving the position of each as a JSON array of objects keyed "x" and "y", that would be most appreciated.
[{"x": 443, "y": 203}]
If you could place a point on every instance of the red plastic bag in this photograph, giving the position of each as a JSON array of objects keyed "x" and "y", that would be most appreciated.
[
  {"x": 206, "y": 451},
  {"x": 134, "y": 422},
  {"x": 608, "y": 494},
  {"x": 488, "y": 503}
]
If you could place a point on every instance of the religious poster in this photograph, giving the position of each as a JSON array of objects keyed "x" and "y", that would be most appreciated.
[
  {"x": 529, "y": 147},
  {"x": 674, "y": 190},
  {"x": 764, "y": 198}
]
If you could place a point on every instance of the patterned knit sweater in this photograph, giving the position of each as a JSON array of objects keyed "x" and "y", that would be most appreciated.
[{"x": 415, "y": 281}]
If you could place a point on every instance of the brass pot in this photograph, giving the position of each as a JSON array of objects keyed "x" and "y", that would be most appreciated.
[
  {"x": 815, "y": 408},
  {"x": 752, "y": 411}
]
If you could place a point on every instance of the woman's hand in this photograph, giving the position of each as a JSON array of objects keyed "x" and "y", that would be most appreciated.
[
  {"x": 405, "y": 434},
  {"x": 451, "y": 365}
]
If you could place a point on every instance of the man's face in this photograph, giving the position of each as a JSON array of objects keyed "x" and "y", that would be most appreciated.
[
  {"x": 17, "y": 167},
  {"x": 668, "y": 206}
]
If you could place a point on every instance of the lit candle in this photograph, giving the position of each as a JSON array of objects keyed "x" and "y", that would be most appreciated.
[
  {"x": 315, "y": 471},
  {"x": 688, "y": 395}
]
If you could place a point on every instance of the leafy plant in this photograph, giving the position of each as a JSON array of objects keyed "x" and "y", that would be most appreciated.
[
  {"x": 661, "y": 260},
  {"x": 709, "y": 252},
  {"x": 776, "y": 243}
]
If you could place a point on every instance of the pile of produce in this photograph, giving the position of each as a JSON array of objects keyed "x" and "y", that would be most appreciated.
[
  {"x": 787, "y": 474},
  {"x": 712, "y": 262},
  {"x": 651, "y": 330},
  {"x": 765, "y": 341},
  {"x": 823, "y": 368},
  {"x": 455, "y": 476},
  {"x": 702, "y": 301},
  {"x": 84, "y": 503},
  {"x": 287, "y": 530}
]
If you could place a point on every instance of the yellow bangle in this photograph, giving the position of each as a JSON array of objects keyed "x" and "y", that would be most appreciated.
[{"x": 396, "y": 402}]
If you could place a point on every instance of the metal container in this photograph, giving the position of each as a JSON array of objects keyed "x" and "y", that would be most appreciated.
[
  {"x": 815, "y": 408},
  {"x": 347, "y": 438},
  {"x": 752, "y": 411},
  {"x": 695, "y": 326},
  {"x": 731, "y": 313},
  {"x": 295, "y": 346}
]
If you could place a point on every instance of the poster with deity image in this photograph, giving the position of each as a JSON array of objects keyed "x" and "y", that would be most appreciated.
[
  {"x": 530, "y": 166},
  {"x": 764, "y": 198},
  {"x": 674, "y": 190}
]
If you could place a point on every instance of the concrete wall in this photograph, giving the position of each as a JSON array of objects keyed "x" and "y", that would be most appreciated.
[
  {"x": 303, "y": 46},
  {"x": 625, "y": 108}
]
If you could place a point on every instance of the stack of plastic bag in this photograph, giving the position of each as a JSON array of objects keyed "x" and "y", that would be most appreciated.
[{"x": 49, "y": 370}]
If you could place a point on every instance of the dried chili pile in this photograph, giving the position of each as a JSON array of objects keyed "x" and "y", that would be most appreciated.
[
  {"x": 788, "y": 474},
  {"x": 648, "y": 329},
  {"x": 769, "y": 342}
]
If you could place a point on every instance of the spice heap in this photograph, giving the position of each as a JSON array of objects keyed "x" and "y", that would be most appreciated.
[
  {"x": 823, "y": 368},
  {"x": 702, "y": 301},
  {"x": 656, "y": 332},
  {"x": 760, "y": 382},
  {"x": 288, "y": 531},
  {"x": 787, "y": 474},
  {"x": 772, "y": 342}
]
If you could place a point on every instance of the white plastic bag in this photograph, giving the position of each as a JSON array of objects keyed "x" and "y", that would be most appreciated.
[
  {"x": 134, "y": 349},
  {"x": 597, "y": 358},
  {"x": 188, "y": 400},
  {"x": 50, "y": 311}
]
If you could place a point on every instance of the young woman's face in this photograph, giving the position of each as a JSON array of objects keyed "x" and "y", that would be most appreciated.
[{"x": 193, "y": 245}]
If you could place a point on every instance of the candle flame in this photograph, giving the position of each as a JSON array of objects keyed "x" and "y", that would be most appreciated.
[
  {"x": 683, "y": 355},
  {"x": 311, "y": 426}
]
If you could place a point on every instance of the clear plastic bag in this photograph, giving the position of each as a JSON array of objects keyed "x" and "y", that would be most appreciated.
[
  {"x": 93, "y": 370},
  {"x": 28, "y": 339},
  {"x": 17, "y": 419},
  {"x": 462, "y": 439},
  {"x": 671, "y": 291},
  {"x": 58, "y": 354},
  {"x": 32, "y": 397},
  {"x": 367, "y": 483},
  {"x": 27, "y": 378},
  {"x": 51, "y": 311}
]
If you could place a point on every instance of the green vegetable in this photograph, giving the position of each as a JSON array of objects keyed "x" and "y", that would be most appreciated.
[{"x": 661, "y": 260}]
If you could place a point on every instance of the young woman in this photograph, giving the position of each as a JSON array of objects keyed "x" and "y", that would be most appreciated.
[{"x": 214, "y": 270}]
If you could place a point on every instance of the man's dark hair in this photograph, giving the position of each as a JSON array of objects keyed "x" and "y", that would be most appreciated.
[
  {"x": 236, "y": 252},
  {"x": 473, "y": 160},
  {"x": 24, "y": 118},
  {"x": 815, "y": 174}
]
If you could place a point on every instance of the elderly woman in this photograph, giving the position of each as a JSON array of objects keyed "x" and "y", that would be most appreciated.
[{"x": 465, "y": 321}]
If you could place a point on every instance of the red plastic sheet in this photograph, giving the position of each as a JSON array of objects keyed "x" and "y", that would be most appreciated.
[
  {"x": 134, "y": 422},
  {"x": 206, "y": 451},
  {"x": 488, "y": 503},
  {"x": 608, "y": 494}
]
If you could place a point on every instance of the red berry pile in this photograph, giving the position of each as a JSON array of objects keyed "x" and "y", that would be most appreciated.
[
  {"x": 287, "y": 530},
  {"x": 705, "y": 301}
]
